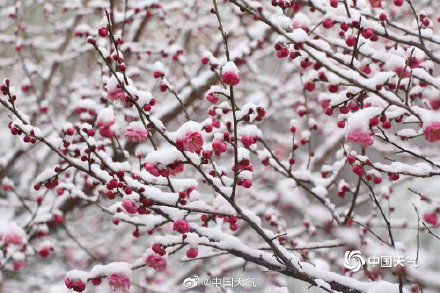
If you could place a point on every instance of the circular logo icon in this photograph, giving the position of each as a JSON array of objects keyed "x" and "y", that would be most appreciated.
[
  {"x": 353, "y": 260},
  {"x": 191, "y": 282}
]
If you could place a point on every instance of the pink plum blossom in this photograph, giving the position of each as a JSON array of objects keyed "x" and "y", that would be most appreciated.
[
  {"x": 118, "y": 281},
  {"x": 219, "y": 147},
  {"x": 193, "y": 142},
  {"x": 116, "y": 94},
  {"x": 432, "y": 132},
  {"x": 359, "y": 137},
  {"x": 156, "y": 262},
  {"x": 136, "y": 132},
  {"x": 181, "y": 226}
]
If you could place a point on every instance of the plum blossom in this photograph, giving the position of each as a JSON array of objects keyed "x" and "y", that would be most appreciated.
[
  {"x": 129, "y": 206},
  {"x": 136, "y": 132},
  {"x": 176, "y": 168},
  {"x": 106, "y": 117},
  {"x": 181, "y": 226},
  {"x": 219, "y": 147},
  {"x": 284, "y": 189},
  {"x": 152, "y": 169},
  {"x": 156, "y": 262},
  {"x": 213, "y": 98},
  {"x": 118, "y": 281},
  {"x": 432, "y": 132},
  {"x": 116, "y": 94},
  {"x": 75, "y": 284},
  {"x": 193, "y": 142},
  {"x": 247, "y": 140},
  {"x": 230, "y": 74},
  {"x": 106, "y": 132},
  {"x": 192, "y": 253},
  {"x": 359, "y": 137},
  {"x": 13, "y": 239}
]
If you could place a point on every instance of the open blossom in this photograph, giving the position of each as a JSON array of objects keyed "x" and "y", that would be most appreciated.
[
  {"x": 76, "y": 285},
  {"x": 152, "y": 169},
  {"x": 230, "y": 78},
  {"x": 247, "y": 140},
  {"x": 230, "y": 74},
  {"x": 193, "y": 142},
  {"x": 219, "y": 147},
  {"x": 432, "y": 132},
  {"x": 181, "y": 226},
  {"x": 156, "y": 262},
  {"x": 136, "y": 132},
  {"x": 116, "y": 94},
  {"x": 129, "y": 206},
  {"x": 176, "y": 168},
  {"x": 359, "y": 137},
  {"x": 118, "y": 281}
]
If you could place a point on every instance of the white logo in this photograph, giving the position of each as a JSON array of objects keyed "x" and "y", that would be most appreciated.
[
  {"x": 353, "y": 260},
  {"x": 191, "y": 282}
]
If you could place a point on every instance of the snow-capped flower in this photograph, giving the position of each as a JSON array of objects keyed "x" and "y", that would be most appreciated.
[
  {"x": 96, "y": 281},
  {"x": 181, "y": 226},
  {"x": 75, "y": 284},
  {"x": 129, "y": 206},
  {"x": 156, "y": 262},
  {"x": 327, "y": 23},
  {"x": 247, "y": 140},
  {"x": 118, "y": 281},
  {"x": 432, "y": 132},
  {"x": 193, "y": 142},
  {"x": 176, "y": 168},
  {"x": 152, "y": 169},
  {"x": 106, "y": 132},
  {"x": 247, "y": 183},
  {"x": 192, "y": 253},
  {"x": 213, "y": 98},
  {"x": 106, "y": 117},
  {"x": 116, "y": 94},
  {"x": 219, "y": 147},
  {"x": 358, "y": 170},
  {"x": 230, "y": 74},
  {"x": 359, "y": 137},
  {"x": 136, "y": 132},
  {"x": 350, "y": 41}
]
